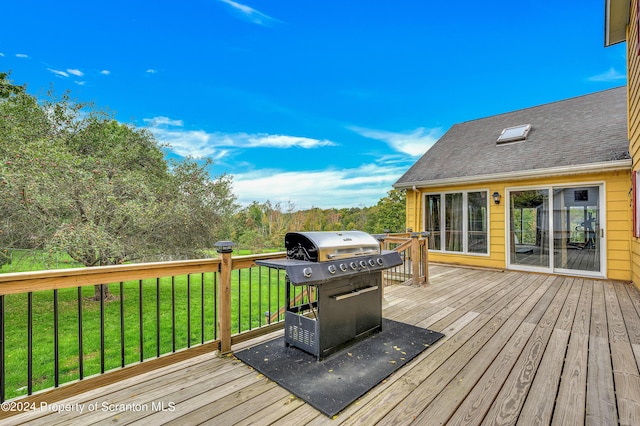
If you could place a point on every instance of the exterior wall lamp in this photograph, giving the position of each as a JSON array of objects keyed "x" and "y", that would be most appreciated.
[
  {"x": 224, "y": 246},
  {"x": 496, "y": 197}
]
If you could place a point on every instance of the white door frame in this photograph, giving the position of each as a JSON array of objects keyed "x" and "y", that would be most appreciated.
[{"x": 601, "y": 232}]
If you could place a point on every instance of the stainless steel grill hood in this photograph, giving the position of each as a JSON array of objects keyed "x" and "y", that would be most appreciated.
[{"x": 325, "y": 246}]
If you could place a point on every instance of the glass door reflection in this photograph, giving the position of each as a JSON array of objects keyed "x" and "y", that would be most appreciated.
[
  {"x": 529, "y": 227},
  {"x": 576, "y": 222}
]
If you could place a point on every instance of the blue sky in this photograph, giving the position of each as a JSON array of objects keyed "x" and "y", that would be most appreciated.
[{"x": 309, "y": 103}]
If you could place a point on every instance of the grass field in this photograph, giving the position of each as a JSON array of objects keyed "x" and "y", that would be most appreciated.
[{"x": 175, "y": 313}]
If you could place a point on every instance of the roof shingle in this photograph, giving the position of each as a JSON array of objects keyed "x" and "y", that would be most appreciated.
[{"x": 577, "y": 131}]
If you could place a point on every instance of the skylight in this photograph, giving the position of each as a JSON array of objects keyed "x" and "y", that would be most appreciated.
[{"x": 515, "y": 133}]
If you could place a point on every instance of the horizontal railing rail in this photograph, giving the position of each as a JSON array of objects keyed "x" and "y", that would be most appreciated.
[{"x": 57, "y": 327}]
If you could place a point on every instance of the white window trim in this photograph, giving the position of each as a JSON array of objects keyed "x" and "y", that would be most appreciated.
[{"x": 465, "y": 221}]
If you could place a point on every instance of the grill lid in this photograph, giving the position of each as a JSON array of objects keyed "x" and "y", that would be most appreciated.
[{"x": 325, "y": 246}]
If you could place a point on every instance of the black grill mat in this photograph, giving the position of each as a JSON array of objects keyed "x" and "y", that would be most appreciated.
[{"x": 334, "y": 383}]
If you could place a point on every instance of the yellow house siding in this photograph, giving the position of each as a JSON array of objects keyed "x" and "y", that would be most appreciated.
[
  {"x": 618, "y": 219},
  {"x": 413, "y": 210},
  {"x": 633, "y": 88}
]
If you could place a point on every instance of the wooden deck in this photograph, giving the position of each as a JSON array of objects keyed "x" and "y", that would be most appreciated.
[{"x": 518, "y": 349}]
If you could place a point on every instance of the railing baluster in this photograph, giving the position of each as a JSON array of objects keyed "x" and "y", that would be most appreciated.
[
  {"x": 2, "y": 369},
  {"x": 188, "y": 311},
  {"x": 80, "y": 351},
  {"x": 239, "y": 302},
  {"x": 56, "y": 346},
  {"x": 158, "y": 317},
  {"x": 122, "y": 356},
  {"x": 29, "y": 343},
  {"x": 173, "y": 314},
  {"x": 202, "y": 307},
  {"x": 215, "y": 305},
  {"x": 269, "y": 274},
  {"x": 250, "y": 299},
  {"x": 260, "y": 296},
  {"x": 278, "y": 307},
  {"x": 140, "y": 313},
  {"x": 101, "y": 328}
]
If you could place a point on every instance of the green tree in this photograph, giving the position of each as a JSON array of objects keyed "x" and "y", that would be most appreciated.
[
  {"x": 389, "y": 213},
  {"x": 73, "y": 179},
  {"x": 7, "y": 88}
]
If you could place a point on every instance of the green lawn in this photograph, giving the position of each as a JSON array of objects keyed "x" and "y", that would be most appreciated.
[
  {"x": 36, "y": 260},
  {"x": 253, "y": 294}
]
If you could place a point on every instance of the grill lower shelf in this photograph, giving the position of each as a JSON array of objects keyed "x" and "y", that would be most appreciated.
[
  {"x": 348, "y": 310},
  {"x": 301, "y": 332}
]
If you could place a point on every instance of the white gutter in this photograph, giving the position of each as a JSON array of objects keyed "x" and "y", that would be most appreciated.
[
  {"x": 607, "y": 166},
  {"x": 616, "y": 19}
]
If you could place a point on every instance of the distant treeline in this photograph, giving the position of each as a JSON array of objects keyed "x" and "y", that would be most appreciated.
[{"x": 260, "y": 226}]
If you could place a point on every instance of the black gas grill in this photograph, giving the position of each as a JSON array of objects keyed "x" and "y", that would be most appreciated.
[{"x": 344, "y": 272}]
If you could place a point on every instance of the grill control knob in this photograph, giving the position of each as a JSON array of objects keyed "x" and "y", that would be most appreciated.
[
  {"x": 379, "y": 260},
  {"x": 353, "y": 265},
  {"x": 371, "y": 262},
  {"x": 343, "y": 267},
  {"x": 306, "y": 272},
  {"x": 363, "y": 263},
  {"x": 332, "y": 269}
]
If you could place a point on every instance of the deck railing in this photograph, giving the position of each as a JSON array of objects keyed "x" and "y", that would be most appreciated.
[
  {"x": 52, "y": 332},
  {"x": 412, "y": 246}
]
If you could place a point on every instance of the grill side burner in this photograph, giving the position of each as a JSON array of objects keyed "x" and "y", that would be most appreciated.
[{"x": 348, "y": 305}]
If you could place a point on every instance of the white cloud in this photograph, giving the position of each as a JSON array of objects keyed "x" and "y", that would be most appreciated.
[
  {"x": 105, "y": 72},
  {"x": 1, "y": 54},
  {"x": 163, "y": 121},
  {"x": 198, "y": 143},
  {"x": 611, "y": 75},
  {"x": 75, "y": 72},
  {"x": 59, "y": 73},
  {"x": 362, "y": 186},
  {"x": 80, "y": 83},
  {"x": 21, "y": 55},
  {"x": 280, "y": 141},
  {"x": 194, "y": 143},
  {"x": 251, "y": 14},
  {"x": 152, "y": 71},
  {"x": 414, "y": 143}
]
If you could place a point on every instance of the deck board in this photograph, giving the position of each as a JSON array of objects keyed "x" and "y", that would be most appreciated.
[
  {"x": 570, "y": 401},
  {"x": 513, "y": 391},
  {"x": 519, "y": 348}
]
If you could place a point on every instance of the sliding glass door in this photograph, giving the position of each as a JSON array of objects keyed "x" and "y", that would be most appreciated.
[
  {"x": 576, "y": 219},
  {"x": 556, "y": 229},
  {"x": 529, "y": 225}
]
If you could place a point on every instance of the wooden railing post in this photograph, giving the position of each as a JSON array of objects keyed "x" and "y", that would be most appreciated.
[
  {"x": 415, "y": 258},
  {"x": 224, "y": 295}
]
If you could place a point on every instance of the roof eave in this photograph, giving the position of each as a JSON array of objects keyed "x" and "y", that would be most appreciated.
[
  {"x": 607, "y": 166},
  {"x": 616, "y": 18}
]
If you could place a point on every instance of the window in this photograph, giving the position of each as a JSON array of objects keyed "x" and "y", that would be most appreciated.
[
  {"x": 512, "y": 134},
  {"x": 458, "y": 221},
  {"x": 477, "y": 222},
  {"x": 433, "y": 221},
  {"x": 453, "y": 221}
]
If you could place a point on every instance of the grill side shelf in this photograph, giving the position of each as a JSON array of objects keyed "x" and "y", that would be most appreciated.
[{"x": 302, "y": 272}]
